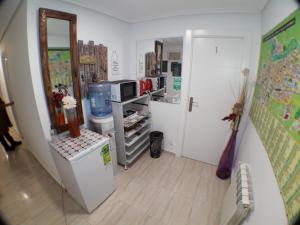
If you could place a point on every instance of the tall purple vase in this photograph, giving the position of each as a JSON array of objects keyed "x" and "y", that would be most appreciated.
[{"x": 226, "y": 161}]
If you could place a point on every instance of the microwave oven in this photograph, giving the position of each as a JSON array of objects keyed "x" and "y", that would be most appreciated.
[{"x": 123, "y": 90}]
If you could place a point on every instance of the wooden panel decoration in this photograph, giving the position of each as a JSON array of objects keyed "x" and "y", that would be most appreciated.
[
  {"x": 87, "y": 59},
  {"x": 150, "y": 64},
  {"x": 175, "y": 56},
  {"x": 93, "y": 64}
]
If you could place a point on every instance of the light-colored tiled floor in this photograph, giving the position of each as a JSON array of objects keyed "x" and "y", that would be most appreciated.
[{"x": 164, "y": 191}]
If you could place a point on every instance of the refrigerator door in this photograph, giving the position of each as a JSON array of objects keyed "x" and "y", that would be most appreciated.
[{"x": 94, "y": 175}]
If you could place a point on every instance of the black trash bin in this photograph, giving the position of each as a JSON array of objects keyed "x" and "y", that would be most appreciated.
[{"x": 156, "y": 138}]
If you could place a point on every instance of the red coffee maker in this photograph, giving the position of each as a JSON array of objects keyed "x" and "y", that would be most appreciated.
[
  {"x": 149, "y": 85},
  {"x": 142, "y": 87}
]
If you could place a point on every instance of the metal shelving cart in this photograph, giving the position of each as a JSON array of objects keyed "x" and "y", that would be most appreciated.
[{"x": 132, "y": 120}]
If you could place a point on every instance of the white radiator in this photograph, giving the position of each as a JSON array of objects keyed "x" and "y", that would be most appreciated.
[{"x": 238, "y": 200}]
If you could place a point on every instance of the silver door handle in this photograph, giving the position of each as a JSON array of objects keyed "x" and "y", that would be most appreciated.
[{"x": 192, "y": 103}]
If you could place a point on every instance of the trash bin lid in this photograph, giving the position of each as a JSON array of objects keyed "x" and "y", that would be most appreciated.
[{"x": 156, "y": 134}]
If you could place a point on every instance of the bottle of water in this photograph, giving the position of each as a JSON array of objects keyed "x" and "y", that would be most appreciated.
[{"x": 99, "y": 94}]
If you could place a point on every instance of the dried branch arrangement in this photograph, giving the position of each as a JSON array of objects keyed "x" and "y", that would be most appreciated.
[
  {"x": 227, "y": 159},
  {"x": 238, "y": 107}
]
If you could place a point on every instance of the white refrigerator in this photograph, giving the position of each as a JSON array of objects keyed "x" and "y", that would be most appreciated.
[{"x": 85, "y": 167}]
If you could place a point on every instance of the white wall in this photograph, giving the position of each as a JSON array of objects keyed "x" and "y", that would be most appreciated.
[
  {"x": 19, "y": 83},
  {"x": 269, "y": 206},
  {"x": 143, "y": 47},
  {"x": 170, "y": 117},
  {"x": 275, "y": 12},
  {"x": 90, "y": 26},
  {"x": 25, "y": 84},
  {"x": 7, "y": 10}
]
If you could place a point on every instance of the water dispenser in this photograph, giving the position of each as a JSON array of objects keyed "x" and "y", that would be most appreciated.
[{"x": 99, "y": 94}]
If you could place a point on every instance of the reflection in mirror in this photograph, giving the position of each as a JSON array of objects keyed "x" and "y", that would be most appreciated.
[
  {"x": 160, "y": 60},
  {"x": 59, "y": 62},
  {"x": 58, "y": 45}
]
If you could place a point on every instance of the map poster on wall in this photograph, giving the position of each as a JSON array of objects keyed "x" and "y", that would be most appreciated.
[{"x": 275, "y": 109}]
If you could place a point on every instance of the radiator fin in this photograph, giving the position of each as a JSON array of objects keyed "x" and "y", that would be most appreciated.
[{"x": 238, "y": 200}]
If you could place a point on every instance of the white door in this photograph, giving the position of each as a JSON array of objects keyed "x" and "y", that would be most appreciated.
[{"x": 216, "y": 73}]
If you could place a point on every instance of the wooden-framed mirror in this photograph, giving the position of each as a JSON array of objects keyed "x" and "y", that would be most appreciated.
[
  {"x": 58, "y": 45},
  {"x": 159, "y": 56}
]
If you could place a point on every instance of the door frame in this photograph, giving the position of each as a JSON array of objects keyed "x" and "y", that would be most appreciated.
[
  {"x": 189, "y": 37},
  {"x": 5, "y": 92}
]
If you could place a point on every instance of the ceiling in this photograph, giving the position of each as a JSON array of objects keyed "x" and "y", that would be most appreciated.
[{"x": 133, "y": 11}]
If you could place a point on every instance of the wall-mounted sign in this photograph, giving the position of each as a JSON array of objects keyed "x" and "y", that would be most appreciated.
[
  {"x": 141, "y": 64},
  {"x": 177, "y": 83},
  {"x": 115, "y": 66},
  {"x": 87, "y": 59}
]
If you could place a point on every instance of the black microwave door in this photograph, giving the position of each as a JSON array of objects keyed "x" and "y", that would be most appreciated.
[
  {"x": 162, "y": 82},
  {"x": 128, "y": 91}
]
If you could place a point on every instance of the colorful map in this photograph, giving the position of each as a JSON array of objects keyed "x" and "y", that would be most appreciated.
[{"x": 275, "y": 109}]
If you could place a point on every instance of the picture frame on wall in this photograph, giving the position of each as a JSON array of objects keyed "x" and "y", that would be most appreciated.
[
  {"x": 165, "y": 66},
  {"x": 176, "y": 69}
]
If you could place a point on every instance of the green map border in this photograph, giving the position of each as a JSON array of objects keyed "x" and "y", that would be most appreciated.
[{"x": 282, "y": 148}]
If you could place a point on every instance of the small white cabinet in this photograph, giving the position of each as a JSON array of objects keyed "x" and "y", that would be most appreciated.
[{"x": 85, "y": 166}]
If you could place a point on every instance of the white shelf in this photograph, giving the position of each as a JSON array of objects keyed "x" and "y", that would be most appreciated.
[
  {"x": 140, "y": 97},
  {"x": 157, "y": 91},
  {"x": 136, "y": 148},
  {"x": 134, "y": 140},
  {"x": 129, "y": 161},
  {"x": 130, "y": 133},
  {"x": 134, "y": 121},
  {"x": 134, "y": 99}
]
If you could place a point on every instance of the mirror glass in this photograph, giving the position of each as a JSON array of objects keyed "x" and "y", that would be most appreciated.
[
  {"x": 161, "y": 58},
  {"x": 59, "y": 64},
  {"x": 59, "y": 55}
]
